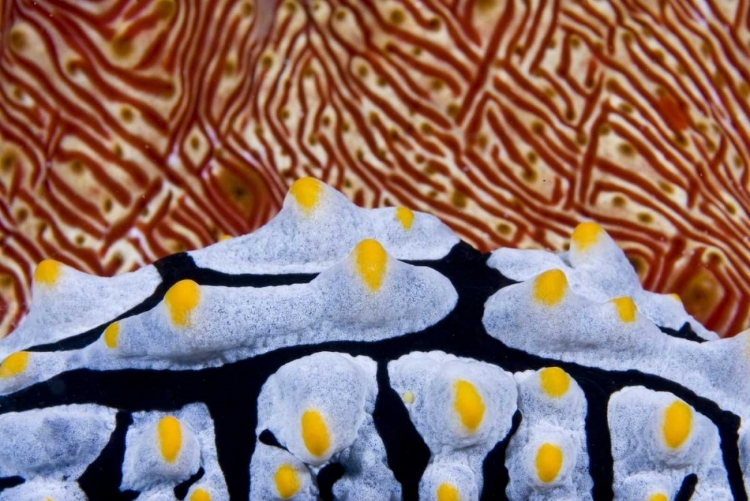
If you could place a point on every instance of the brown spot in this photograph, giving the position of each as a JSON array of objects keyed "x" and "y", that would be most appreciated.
[
  {"x": 195, "y": 142},
  {"x": 680, "y": 140},
  {"x": 532, "y": 157},
  {"x": 426, "y": 128},
  {"x": 645, "y": 217},
  {"x": 8, "y": 161},
  {"x": 666, "y": 187},
  {"x": 436, "y": 84},
  {"x": 22, "y": 215},
  {"x": 239, "y": 190},
  {"x": 71, "y": 67},
  {"x": 340, "y": 15},
  {"x": 118, "y": 151},
  {"x": 625, "y": 108},
  {"x": 705, "y": 49},
  {"x": 122, "y": 46},
  {"x": 77, "y": 167},
  {"x": 626, "y": 149},
  {"x": 398, "y": 16},
  {"x": 604, "y": 129},
  {"x": 145, "y": 212},
  {"x": 267, "y": 61},
  {"x": 529, "y": 175},
  {"x": 117, "y": 260},
  {"x": 419, "y": 158},
  {"x": 347, "y": 183},
  {"x": 581, "y": 138},
  {"x": 18, "y": 94},
  {"x": 485, "y": 5},
  {"x": 374, "y": 119},
  {"x": 482, "y": 141},
  {"x": 503, "y": 229},
  {"x": 433, "y": 24},
  {"x": 325, "y": 121},
  {"x": 381, "y": 81},
  {"x": 79, "y": 240},
  {"x": 126, "y": 114},
  {"x": 619, "y": 201},
  {"x": 258, "y": 132},
  {"x": 627, "y": 37},
  {"x": 612, "y": 85},
  {"x": 570, "y": 115},
  {"x": 432, "y": 194},
  {"x": 108, "y": 204},
  {"x": 575, "y": 42},
  {"x": 165, "y": 8},
  {"x": 345, "y": 127},
  {"x": 452, "y": 110},
  {"x": 290, "y": 6},
  {"x": 416, "y": 50},
  {"x": 459, "y": 199},
  {"x": 518, "y": 50},
  {"x": 229, "y": 68},
  {"x": 552, "y": 44},
  {"x": 17, "y": 39},
  {"x": 737, "y": 161},
  {"x": 701, "y": 294},
  {"x": 537, "y": 127},
  {"x": 283, "y": 114},
  {"x": 6, "y": 281},
  {"x": 312, "y": 139},
  {"x": 362, "y": 71},
  {"x": 744, "y": 89},
  {"x": 247, "y": 9}
]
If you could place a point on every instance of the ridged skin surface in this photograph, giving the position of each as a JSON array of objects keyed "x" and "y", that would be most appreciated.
[{"x": 129, "y": 131}]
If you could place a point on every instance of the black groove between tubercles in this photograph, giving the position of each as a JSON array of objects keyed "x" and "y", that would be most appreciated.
[
  {"x": 496, "y": 476},
  {"x": 328, "y": 476},
  {"x": 230, "y": 392},
  {"x": 181, "y": 490},
  {"x": 686, "y": 332},
  {"x": 687, "y": 489}
]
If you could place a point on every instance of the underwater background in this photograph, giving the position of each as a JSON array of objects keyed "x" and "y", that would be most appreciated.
[{"x": 133, "y": 130}]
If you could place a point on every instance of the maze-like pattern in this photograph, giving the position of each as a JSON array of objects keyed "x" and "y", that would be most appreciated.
[{"x": 132, "y": 130}]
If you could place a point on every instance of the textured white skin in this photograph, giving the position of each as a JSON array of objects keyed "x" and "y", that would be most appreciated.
[
  {"x": 430, "y": 378},
  {"x": 645, "y": 464},
  {"x": 336, "y": 305},
  {"x": 266, "y": 461},
  {"x": 296, "y": 241},
  {"x": 457, "y": 474},
  {"x": 76, "y": 303},
  {"x": 592, "y": 334},
  {"x": 43, "y": 489},
  {"x": 144, "y": 468},
  {"x": 343, "y": 390},
  {"x": 599, "y": 273},
  {"x": 548, "y": 419},
  {"x": 54, "y": 443}
]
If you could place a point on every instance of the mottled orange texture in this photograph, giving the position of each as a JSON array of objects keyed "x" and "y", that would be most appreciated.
[{"x": 130, "y": 130}]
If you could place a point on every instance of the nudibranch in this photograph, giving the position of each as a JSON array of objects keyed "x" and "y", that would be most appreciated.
[
  {"x": 342, "y": 353},
  {"x": 133, "y": 130}
]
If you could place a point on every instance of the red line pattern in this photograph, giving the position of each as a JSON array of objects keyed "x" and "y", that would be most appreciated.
[{"x": 129, "y": 131}]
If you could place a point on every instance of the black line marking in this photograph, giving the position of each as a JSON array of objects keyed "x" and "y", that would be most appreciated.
[
  {"x": 230, "y": 392},
  {"x": 687, "y": 489},
  {"x": 181, "y": 490},
  {"x": 328, "y": 476},
  {"x": 496, "y": 477}
]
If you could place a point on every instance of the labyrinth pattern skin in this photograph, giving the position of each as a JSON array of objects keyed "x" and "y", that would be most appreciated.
[
  {"x": 133, "y": 130},
  {"x": 341, "y": 353}
]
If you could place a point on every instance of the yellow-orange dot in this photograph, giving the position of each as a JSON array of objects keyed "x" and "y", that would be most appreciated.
[
  {"x": 549, "y": 460},
  {"x": 200, "y": 495},
  {"x": 47, "y": 272},
  {"x": 14, "y": 364},
  {"x": 287, "y": 481},
  {"x": 405, "y": 217},
  {"x": 550, "y": 287},
  {"x": 678, "y": 422},
  {"x": 306, "y": 191},
  {"x": 554, "y": 381},
  {"x": 447, "y": 492},
  {"x": 586, "y": 234},
  {"x": 626, "y": 309},
  {"x": 111, "y": 333},
  {"x": 468, "y": 404},
  {"x": 676, "y": 297},
  {"x": 315, "y": 433},
  {"x": 408, "y": 397},
  {"x": 181, "y": 299},
  {"x": 169, "y": 431},
  {"x": 372, "y": 263},
  {"x": 225, "y": 237},
  {"x": 659, "y": 496}
]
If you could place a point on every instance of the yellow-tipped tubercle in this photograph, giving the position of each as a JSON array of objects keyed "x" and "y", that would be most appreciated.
[
  {"x": 678, "y": 423},
  {"x": 468, "y": 405},
  {"x": 111, "y": 333},
  {"x": 405, "y": 217},
  {"x": 550, "y": 287},
  {"x": 287, "y": 481},
  {"x": 169, "y": 431},
  {"x": 14, "y": 364},
  {"x": 315, "y": 433},
  {"x": 549, "y": 460},
  {"x": 47, "y": 272},
  {"x": 200, "y": 495},
  {"x": 447, "y": 492},
  {"x": 306, "y": 191},
  {"x": 554, "y": 381},
  {"x": 181, "y": 299},
  {"x": 372, "y": 263},
  {"x": 626, "y": 309},
  {"x": 585, "y": 235}
]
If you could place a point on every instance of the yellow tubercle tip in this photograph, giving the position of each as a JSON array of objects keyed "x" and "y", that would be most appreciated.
[
  {"x": 372, "y": 263},
  {"x": 14, "y": 364},
  {"x": 550, "y": 287},
  {"x": 678, "y": 423},
  {"x": 111, "y": 333},
  {"x": 47, "y": 272},
  {"x": 585, "y": 235},
  {"x": 169, "y": 431},
  {"x": 306, "y": 191},
  {"x": 405, "y": 217},
  {"x": 408, "y": 397},
  {"x": 225, "y": 237},
  {"x": 676, "y": 297},
  {"x": 468, "y": 405},
  {"x": 200, "y": 495},
  {"x": 315, "y": 433},
  {"x": 626, "y": 309},
  {"x": 659, "y": 496},
  {"x": 447, "y": 492},
  {"x": 287, "y": 481},
  {"x": 554, "y": 381},
  {"x": 181, "y": 299},
  {"x": 549, "y": 460}
]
